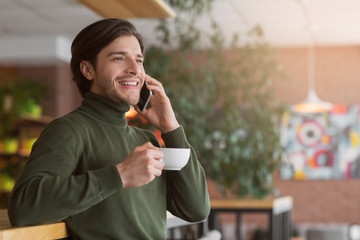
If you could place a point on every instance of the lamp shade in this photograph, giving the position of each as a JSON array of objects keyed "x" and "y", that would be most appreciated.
[
  {"x": 131, "y": 113},
  {"x": 312, "y": 104}
]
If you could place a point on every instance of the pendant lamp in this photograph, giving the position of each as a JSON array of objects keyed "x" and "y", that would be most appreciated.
[
  {"x": 131, "y": 113},
  {"x": 312, "y": 103}
]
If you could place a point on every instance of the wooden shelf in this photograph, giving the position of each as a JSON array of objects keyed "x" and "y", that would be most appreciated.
[
  {"x": 44, "y": 120},
  {"x": 278, "y": 204},
  {"x": 2, "y": 191},
  {"x": 130, "y": 8},
  {"x": 21, "y": 154}
]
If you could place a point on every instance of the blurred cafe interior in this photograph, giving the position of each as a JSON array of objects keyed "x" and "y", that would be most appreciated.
[{"x": 267, "y": 89}]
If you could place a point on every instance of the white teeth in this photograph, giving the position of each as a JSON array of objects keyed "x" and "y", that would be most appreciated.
[{"x": 129, "y": 83}]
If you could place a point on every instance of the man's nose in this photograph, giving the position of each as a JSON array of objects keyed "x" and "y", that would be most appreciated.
[{"x": 133, "y": 68}]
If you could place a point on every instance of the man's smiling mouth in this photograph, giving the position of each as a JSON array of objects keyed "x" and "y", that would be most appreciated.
[{"x": 129, "y": 83}]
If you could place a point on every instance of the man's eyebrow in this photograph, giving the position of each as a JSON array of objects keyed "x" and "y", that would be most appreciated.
[{"x": 125, "y": 53}]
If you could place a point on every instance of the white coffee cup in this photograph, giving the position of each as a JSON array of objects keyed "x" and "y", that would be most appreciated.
[{"x": 175, "y": 158}]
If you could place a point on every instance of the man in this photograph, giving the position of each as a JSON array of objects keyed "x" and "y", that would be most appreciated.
[{"x": 93, "y": 171}]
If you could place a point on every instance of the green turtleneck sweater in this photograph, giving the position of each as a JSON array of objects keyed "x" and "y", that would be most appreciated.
[{"x": 71, "y": 176}]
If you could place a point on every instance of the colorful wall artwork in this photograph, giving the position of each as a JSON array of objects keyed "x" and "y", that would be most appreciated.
[{"x": 321, "y": 145}]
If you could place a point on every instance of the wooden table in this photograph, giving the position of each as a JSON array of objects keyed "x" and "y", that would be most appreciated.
[
  {"x": 278, "y": 210},
  {"x": 175, "y": 222},
  {"x": 55, "y": 230},
  {"x": 39, "y": 232}
]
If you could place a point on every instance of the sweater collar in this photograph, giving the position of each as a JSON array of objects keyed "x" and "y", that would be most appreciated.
[{"x": 104, "y": 109}]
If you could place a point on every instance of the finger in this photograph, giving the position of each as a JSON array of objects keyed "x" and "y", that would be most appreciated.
[
  {"x": 154, "y": 168},
  {"x": 137, "y": 109},
  {"x": 157, "y": 154},
  {"x": 153, "y": 153},
  {"x": 157, "y": 164},
  {"x": 156, "y": 172},
  {"x": 157, "y": 89},
  {"x": 152, "y": 81}
]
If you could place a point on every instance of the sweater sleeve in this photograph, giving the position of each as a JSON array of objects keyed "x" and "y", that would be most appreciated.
[
  {"x": 47, "y": 190},
  {"x": 187, "y": 193}
]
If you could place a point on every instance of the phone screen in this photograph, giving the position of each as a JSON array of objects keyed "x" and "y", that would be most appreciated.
[{"x": 145, "y": 95}]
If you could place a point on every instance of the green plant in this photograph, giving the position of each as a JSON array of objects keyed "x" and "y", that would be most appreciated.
[
  {"x": 18, "y": 97},
  {"x": 223, "y": 98}
]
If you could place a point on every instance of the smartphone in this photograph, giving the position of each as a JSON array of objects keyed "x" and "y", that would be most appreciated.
[{"x": 145, "y": 95}]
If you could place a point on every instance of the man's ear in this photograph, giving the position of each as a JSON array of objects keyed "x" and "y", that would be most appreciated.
[{"x": 87, "y": 70}]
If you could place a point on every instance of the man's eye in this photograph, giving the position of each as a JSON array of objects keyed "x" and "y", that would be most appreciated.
[
  {"x": 140, "y": 61},
  {"x": 119, "y": 59}
]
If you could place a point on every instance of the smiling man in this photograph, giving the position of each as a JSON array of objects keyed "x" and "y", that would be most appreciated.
[{"x": 103, "y": 178}]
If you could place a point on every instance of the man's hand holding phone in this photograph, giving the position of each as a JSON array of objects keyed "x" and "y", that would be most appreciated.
[{"x": 160, "y": 114}]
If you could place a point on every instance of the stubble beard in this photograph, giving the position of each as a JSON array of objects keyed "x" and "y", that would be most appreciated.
[{"x": 112, "y": 94}]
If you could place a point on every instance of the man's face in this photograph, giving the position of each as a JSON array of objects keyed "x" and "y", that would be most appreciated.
[{"x": 119, "y": 71}]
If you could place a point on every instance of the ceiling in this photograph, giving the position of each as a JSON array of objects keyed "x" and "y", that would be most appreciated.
[{"x": 27, "y": 25}]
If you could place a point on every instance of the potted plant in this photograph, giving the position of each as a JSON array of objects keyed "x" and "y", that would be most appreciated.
[
  {"x": 223, "y": 98},
  {"x": 19, "y": 96}
]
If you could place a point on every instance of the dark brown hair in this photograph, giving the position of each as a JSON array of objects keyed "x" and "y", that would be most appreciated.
[{"x": 91, "y": 40}]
